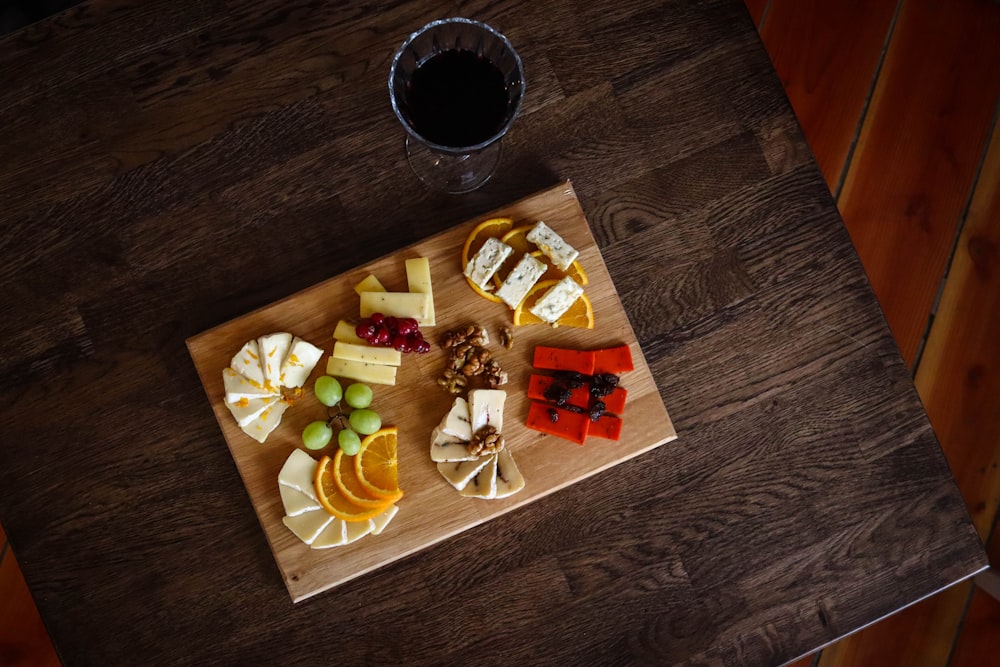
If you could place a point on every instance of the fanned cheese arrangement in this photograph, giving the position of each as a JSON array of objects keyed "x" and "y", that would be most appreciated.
[
  {"x": 469, "y": 449},
  {"x": 264, "y": 378}
]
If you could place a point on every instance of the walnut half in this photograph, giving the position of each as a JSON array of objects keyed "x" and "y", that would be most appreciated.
[{"x": 486, "y": 441}]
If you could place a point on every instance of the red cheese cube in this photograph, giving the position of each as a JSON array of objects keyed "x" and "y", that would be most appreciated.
[{"x": 615, "y": 360}]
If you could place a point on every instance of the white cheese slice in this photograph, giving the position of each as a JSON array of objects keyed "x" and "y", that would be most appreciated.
[
  {"x": 484, "y": 484},
  {"x": 398, "y": 304},
  {"x": 239, "y": 387},
  {"x": 334, "y": 535},
  {"x": 357, "y": 529},
  {"x": 456, "y": 423},
  {"x": 486, "y": 407},
  {"x": 485, "y": 263},
  {"x": 561, "y": 253},
  {"x": 273, "y": 350},
  {"x": 369, "y": 284},
  {"x": 308, "y": 526},
  {"x": 557, "y": 300},
  {"x": 509, "y": 478},
  {"x": 383, "y": 356},
  {"x": 246, "y": 410},
  {"x": 345, "y": 331},
  {"x": 296, "y": 502},
  {"x": 299, "y": 363},
  {"x": 360, "y": 371},
  {"x": 418, "y": 280},
  {"x": 459, "y": 473},
  {"x": 247, "y": 362},
  {"x": 520, "y": 280},
  {"x": 382, "y": 520},
  {"x": 299, "y": 473},
  {"x": 266, "y": 421},
  {"x": 446, "y": 448}
]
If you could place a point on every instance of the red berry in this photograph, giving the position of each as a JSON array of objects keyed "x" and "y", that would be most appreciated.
[
  {"x": 392, "y": 323},
  {"x": 406, "y": 326},
  {"x": 377, "y": 319},
  {"x": 365, "y": 331},
  {"x": 381, "y": 336},
  {"x": 400, "y": 343},
  {"x": 423, "y": 347}
]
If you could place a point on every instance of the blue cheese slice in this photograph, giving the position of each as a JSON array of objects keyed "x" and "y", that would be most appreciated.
[
  {"x": 561, "y": 253},
  {"x": 484, "y": 484},
  {"x": 486, "y": 262},
  {"x": 509, "y": 478},
  {"x": 520, "y": 280},
  {"x": 247, "y": 362},
  {"x": 273, "y": 350},
  {"x": 486, "y": 407},
  {"x": 266, "y": 421},
  {"x": 239, "y": 388},
  {"x": 298, "y": 363},
  {"x": 557, "y": 300}
]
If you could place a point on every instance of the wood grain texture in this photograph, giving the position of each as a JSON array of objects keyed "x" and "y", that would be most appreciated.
[
  {"x": 977, "y": 640},
  {"x": 23, "y": 639},
  {"x": 432, "y": 510},
  {"x": 903, "y": 235},
  {"x": 806, "y": 497},
  {"x": 826, "y": 54}
]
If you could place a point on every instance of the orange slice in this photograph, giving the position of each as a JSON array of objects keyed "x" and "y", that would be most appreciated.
[
  {"x": 496, "y": 227},
  {"x": 579, "y": 315},
  {"x": 345, "y": 476},
  {"x": 377, "y": 466},
  {"x": 335, "y": 502}
]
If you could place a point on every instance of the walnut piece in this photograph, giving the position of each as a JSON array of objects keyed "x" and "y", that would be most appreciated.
[
  {"x": 486, "y": 441},
  {"x": 495, "y": 375},
  {"x": 469, "y": 358},
  {"x": 507, "y": 337},
  {"x": 453, "y": 381},
  {"x": 472, "y": 334}
]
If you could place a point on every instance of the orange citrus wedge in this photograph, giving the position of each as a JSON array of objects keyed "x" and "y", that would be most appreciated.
[
  {"x": 336, "y": 503},
  {"x": 345, "y": 476},
  {"x": 579, "y": 315},
  {"x": 377, "y": 466}
]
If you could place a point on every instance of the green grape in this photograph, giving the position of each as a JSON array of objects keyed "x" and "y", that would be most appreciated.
[
  {"x": 328, "y": 390},
  {"x": 365, "y": 422},
  {"x": 317, "y": 435},
  {"x": 349, "y": 442},
  {"x": 358, "y": 396}
]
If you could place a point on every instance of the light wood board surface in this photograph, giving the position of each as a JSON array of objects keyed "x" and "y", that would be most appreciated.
[{"x": 431, "y": 510}]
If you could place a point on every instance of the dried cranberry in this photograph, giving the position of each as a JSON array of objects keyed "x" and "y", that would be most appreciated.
[
  {"x": 423, "y": 347},
  {"x": 365, "y": 331},
  {"x": 601, "y": 390},
  {"x": 407, "y": 326},
  {"x": 377, "y": 318},
  {"x": 392, "y": 323},
  {"x": 606, "y": 379},
  {"x": 401, "y": 343},
  {"x": 381, "y": 336}
]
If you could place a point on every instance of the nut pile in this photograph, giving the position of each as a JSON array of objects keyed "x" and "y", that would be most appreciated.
[{"x": 468, "y": 358}]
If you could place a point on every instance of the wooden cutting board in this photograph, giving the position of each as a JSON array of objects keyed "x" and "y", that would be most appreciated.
[{"x": 431, "y": 510}]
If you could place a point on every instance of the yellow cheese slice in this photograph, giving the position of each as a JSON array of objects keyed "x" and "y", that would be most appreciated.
[
  {"x": 334, "y": 535},
  {"x": 383, "y": 356},
  {"x": 369, "y": 284},
  {"x": 398, "y": 304},
  {"x": 345, "y": 332},
  {"x": 418, "y": 280},
  {"x": 360, "y": 371}
]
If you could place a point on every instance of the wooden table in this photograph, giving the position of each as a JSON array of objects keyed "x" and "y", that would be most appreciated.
[{"x": 171, "y": 164}]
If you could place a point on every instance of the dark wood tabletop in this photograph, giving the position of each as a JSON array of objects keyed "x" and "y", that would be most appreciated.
[{"x": 168, "y": 165}]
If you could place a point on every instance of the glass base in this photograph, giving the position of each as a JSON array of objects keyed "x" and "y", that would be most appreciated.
[{"x": 453, "y": 174}]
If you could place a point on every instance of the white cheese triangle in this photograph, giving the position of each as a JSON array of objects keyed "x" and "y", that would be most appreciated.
[
  {"x": 446, "y": 448},
  {"x": 273, "y": 349},
  {"x": 459, "y": 473},
  {"x": 357, "y": 529},
  {"x": 382, "y": 520},
  {"x": 509, "y": 478},
  {"x": 484, "y": 483},
  {"x": 299, "y": 473},
  {"x": 334, "y": 535},
  {"x": 239, "y": 387},
  {"x": 456, "y": 423},
  {"x": 245, "y": 411},
  {"x": 308, "y": 526},
  {"x": 247, "y": 362},
  {"x": 486, "y": 407},
  {"x": 296, "y": 502},
  {"x": 266, "y": 421},
  {"x": 298, "y": 364}
]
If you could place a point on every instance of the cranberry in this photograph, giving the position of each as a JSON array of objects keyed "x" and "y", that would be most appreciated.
[
  {"x": 392, "y": 323},
  {"x": 407, "y": 326},
  {"x": 400, "y": 343},
  {"x": 423, "y": 347},
  {"x": 381, "y": 336},
  {"x": 365, "y": 331},
  {"x": 377, "y": 319}
]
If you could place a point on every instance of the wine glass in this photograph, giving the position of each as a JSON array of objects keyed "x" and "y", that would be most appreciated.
[{"x": 456, "y": 85}]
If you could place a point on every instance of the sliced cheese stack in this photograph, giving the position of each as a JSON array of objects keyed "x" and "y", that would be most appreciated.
[
  {"x": 307, "y": 519},
  {"x": 528, "y": 271},
  {"x": 256, "y": 376},
  {"x": 353, "y": 357},
  {"x": 489, "y": 476}
]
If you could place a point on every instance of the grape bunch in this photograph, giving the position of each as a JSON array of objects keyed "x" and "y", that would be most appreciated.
[
  {"x": 399, "y": 333},
  {"x": 361, "y": 419}
]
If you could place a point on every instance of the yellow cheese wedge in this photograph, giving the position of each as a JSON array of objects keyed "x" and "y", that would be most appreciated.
[
  {"x": 383, "y": 356},
  {"x": 369, "y": 284},
  {"x": 360, "y": 371},
  {"x": 334, "y": 535},
  {"x": 345, "y": 332},
  {"x": 418, "y": 280},
  {"x": 309, "y": 525},
  {"x": 398, "y": 304}
]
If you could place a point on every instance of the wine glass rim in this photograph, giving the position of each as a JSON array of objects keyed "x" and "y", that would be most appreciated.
[{"x": 399, "y": 114}]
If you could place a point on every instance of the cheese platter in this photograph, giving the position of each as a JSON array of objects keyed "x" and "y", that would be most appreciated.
[{"x": 492, "y": 364}]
